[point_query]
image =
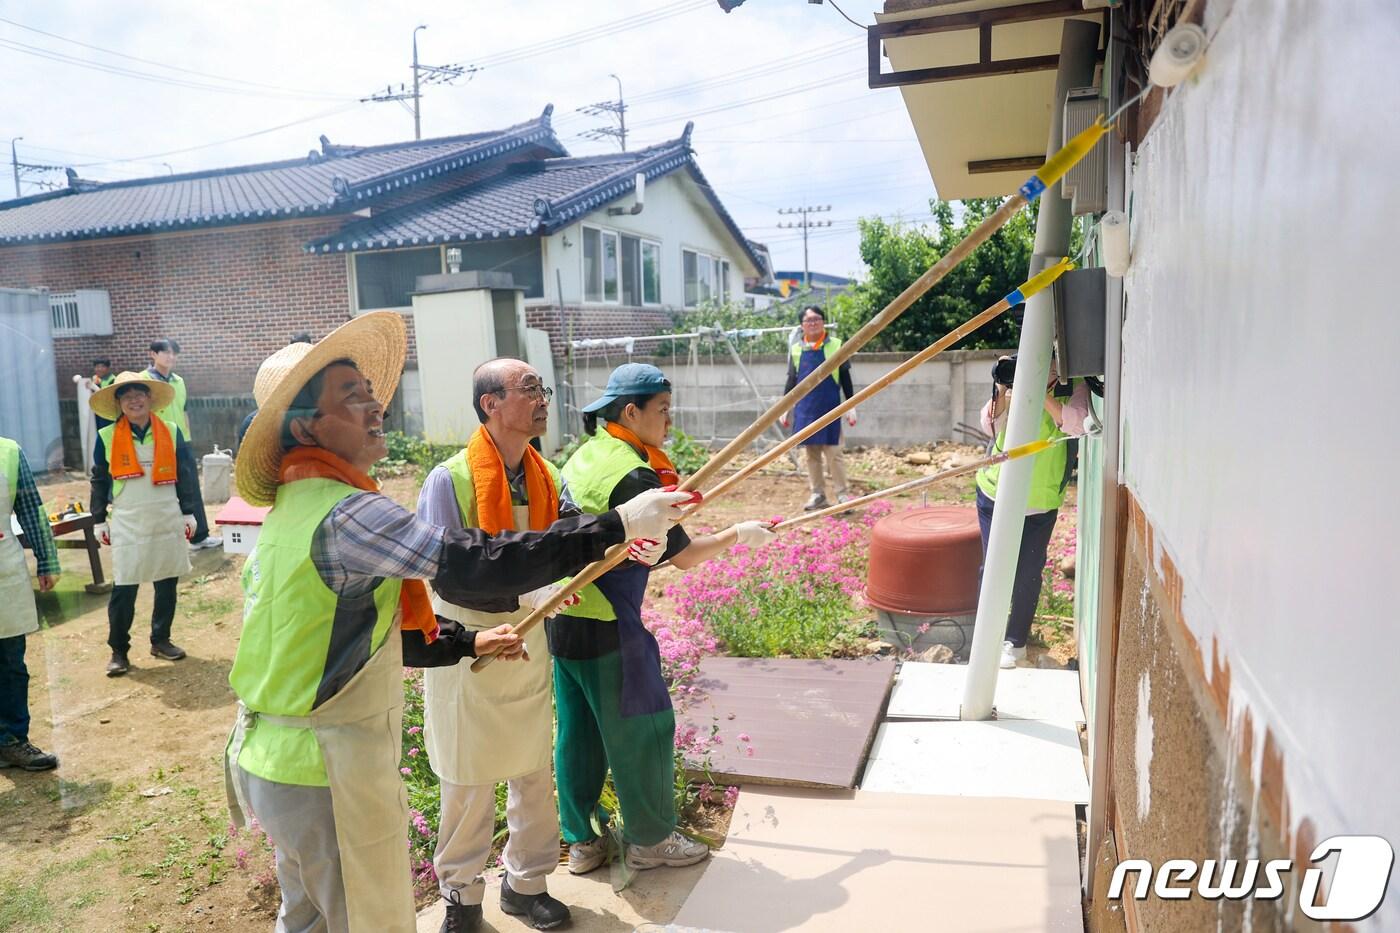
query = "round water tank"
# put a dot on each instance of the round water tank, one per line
(924, 561)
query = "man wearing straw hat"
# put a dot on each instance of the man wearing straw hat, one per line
(142, 473)
(334, 594)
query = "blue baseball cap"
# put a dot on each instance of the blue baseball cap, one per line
(631, 379)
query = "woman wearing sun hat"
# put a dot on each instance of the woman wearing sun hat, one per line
(335, 605)
(140, 474)
(613, 706)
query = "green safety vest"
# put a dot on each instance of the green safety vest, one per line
(830, 346)
(9, 466)
(465, 489)
(175, 411)
(288, 614)
(106, 434)
(104, 383)
(592, 473)
(1047, 474)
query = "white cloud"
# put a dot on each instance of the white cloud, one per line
(841, 143)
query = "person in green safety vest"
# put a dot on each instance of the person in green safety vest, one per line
(1050, 472)
(335, 605)
(163, 356)
(19, 497)
(101, 378)
(613, 707)
(812, 348)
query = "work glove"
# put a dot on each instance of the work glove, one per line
(755, 534)
(103, 533)
(541, 597)
(651, 514)
(851, 417)
(190, 525)
(646, 551)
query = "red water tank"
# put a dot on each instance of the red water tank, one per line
(924, 561)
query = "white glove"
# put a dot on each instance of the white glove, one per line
(190, 525)
(646, 551)
(755, 534)
(651, 514)
(851, 417)
(103, 533)
(542, 597)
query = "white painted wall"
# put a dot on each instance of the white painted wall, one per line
(676, 214)
(1261, 383)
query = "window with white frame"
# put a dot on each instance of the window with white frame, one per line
(387, 279)
(706, 278)
(620, 269)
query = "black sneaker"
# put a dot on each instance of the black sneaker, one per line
(540, 910)
(119, 665)
(26, 757)
(167, 651)
(461, 918)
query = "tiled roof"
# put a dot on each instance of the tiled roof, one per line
(336, 179)
(527, 199)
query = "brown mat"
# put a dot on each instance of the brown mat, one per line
(809, 860)
(809, 723)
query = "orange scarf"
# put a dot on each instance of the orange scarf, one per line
(416, 609)
(656, 457)
(122, 457)
(815, 346)
(493, 509)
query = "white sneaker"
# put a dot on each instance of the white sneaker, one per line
(586, 856)
(673, 852)
(1010, 654)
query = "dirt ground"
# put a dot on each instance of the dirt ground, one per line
(131, 832)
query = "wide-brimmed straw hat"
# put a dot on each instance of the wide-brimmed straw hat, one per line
(104, 401)
(376, 342)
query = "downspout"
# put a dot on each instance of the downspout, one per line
(1106, 632)
(1079, 42)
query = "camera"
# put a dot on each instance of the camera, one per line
(1005, 371)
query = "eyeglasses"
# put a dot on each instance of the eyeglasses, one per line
(535, 393)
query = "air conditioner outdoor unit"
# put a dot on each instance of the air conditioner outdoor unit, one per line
(1086, 185)
(81, 313)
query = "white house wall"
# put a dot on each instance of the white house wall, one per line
(676, 214)
(1261, 383)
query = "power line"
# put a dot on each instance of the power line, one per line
(543, 47)
(757, 99)
(148, 61)
(859, 26)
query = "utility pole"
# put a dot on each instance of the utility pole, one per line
(422, 75)
(14, 162)
(804, 225)
(618, 109)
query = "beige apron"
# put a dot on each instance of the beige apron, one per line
(17, 613)
(497, 724)
(359, 731)
(148, 531)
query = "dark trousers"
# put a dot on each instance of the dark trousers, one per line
(1030, 566)
(201, 523)
(121, 608)
(14, 692)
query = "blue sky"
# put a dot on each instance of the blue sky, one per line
(776, 89)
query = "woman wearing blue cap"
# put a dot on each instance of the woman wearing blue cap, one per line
(612, 703)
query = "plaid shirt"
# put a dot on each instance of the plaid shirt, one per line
(29, 509)
(368, 538)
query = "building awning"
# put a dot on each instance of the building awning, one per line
(984, 79)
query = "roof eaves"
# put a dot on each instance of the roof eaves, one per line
(713, 197)
(551, 215)
(222, 218)
(537, 131)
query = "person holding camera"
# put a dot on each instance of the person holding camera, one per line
(1064, 411)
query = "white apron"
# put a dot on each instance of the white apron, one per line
(359, 731)
(495, 725)
(148, 531)
(17, 613)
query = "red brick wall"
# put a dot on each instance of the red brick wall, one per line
(230, 296)
(593, 322)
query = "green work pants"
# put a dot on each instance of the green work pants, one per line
(593, 736)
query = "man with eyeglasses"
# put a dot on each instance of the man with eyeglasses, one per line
(496, 725)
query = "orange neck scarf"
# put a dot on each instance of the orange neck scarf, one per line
(815, 346)
(493, 509)
(656, 457)
(122, 457)
(416, 609)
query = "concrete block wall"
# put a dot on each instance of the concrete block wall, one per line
(712, 399)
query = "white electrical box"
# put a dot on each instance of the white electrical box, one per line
(1086, 185)
(81, 313)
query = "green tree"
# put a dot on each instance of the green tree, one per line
(897, 254)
